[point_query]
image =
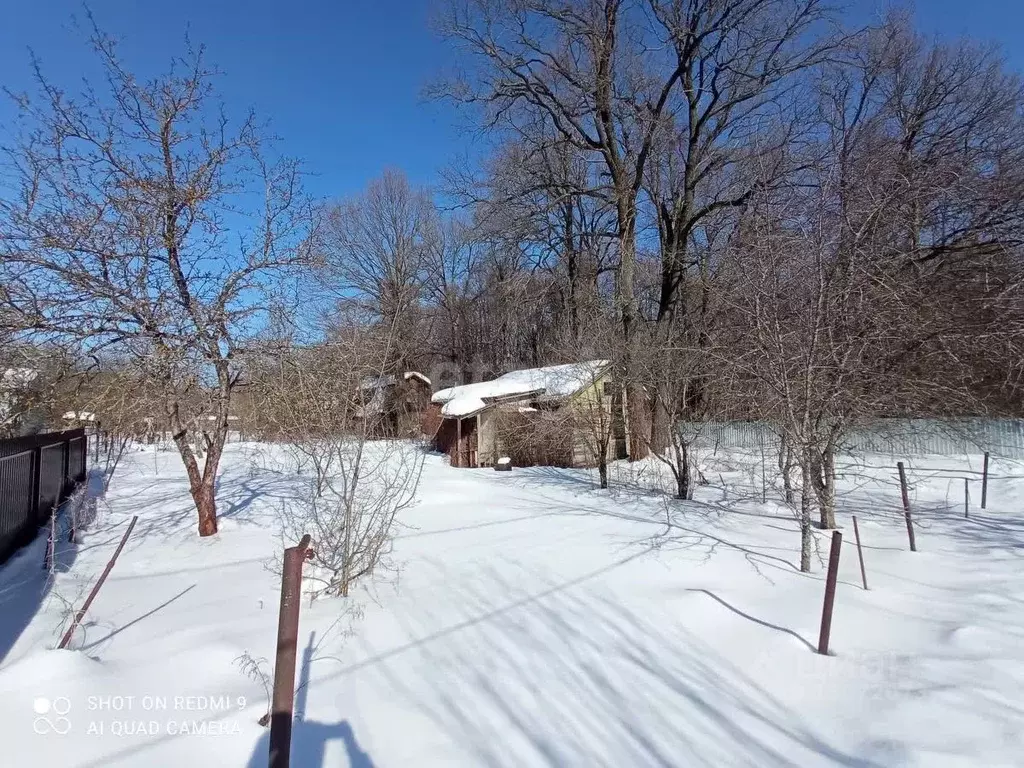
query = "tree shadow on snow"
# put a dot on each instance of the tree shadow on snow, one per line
(573, 677)
(310, 738)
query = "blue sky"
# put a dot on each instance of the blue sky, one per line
(341, 80)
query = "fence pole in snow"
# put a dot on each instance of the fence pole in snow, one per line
(860, 553)
(96, 588)
(967, 496)
(51, 543)
(830, 592)
(287, 643)
(984, 482)
(906, 505)
(764, 479)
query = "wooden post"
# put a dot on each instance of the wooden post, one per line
(287, 643)
(96, 588)
(860, 553)
(984, 482)
(830, 592)
(967, 496)
(906, 505)
(458, 442)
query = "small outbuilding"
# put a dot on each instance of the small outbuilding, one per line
(560, 415)
(394, 406)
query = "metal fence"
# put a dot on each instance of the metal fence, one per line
(898, 437)
(37, 473)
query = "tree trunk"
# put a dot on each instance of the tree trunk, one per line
(828, 465)
(660, 422)
(684, 488)
(602, 467)
(786, 467)
(805, 515)
(346, 568)
(206, 505)
(823, 482)
(200, 484)
(636, 399)
(572, 267)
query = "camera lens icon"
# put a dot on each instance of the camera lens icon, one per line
(51, 715)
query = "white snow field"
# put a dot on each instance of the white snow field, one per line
(531, 619)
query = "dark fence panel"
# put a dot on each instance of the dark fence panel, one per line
(37, 473)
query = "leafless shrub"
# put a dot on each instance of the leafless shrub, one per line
(315, 402)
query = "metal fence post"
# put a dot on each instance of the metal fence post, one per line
(906, 505)
(830, 592)
(860, 553)
(96, 588)
(287, 643)
(984, 482)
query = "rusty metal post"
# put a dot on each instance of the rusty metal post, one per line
(287, 643)
(96, 588)
(906, 505)
(830, 592)
(967, 496)
(984, 482)
(860, 553)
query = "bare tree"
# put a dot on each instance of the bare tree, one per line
(315, 402)
(372, 245)
(579, 67)
(744, 69)
(840, 321)
(144, 220)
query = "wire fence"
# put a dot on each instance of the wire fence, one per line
(898, 437)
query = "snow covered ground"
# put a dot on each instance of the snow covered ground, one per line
(534, 620)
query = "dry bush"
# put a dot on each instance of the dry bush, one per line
(536, 438)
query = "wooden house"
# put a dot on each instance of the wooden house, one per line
(562, 415)
(394, 405)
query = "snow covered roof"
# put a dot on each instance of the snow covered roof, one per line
(416, 375)
(377, 382)
(550, 383)
(79, 416)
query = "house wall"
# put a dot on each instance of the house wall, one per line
(487, 438)
(447, 439)
(589, 413)
(595, 414)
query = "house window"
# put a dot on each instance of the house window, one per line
(609, 388)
